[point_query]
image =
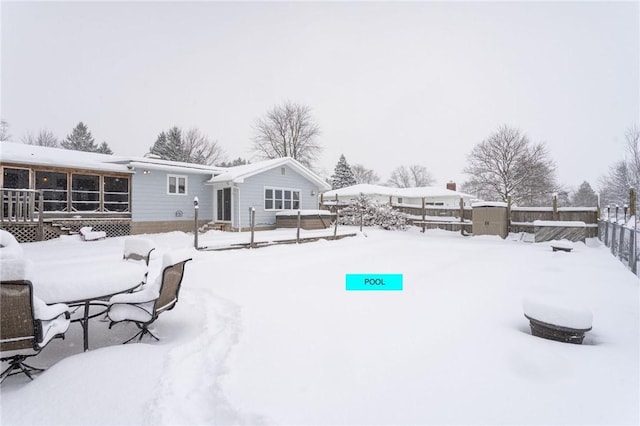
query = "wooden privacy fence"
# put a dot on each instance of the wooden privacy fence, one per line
(520, 219)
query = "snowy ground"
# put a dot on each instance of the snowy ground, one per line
(270, 336)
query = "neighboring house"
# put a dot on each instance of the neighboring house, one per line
(406, 197)
(134, 195)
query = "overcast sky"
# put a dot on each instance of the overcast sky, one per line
(389, 84)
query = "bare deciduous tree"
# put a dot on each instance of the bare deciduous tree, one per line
(411, 177)
(287, 130)
(508, 164)
(199, 149)
(43, 138)
(624, 174)
(364, 175)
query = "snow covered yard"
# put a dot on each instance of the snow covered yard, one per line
(270, 336)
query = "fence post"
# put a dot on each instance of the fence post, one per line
(461, 216)
(40, 233)
(335, 228)
(634, 235)
(613, 238)
(508, 213)
(298, 232)
(555, 206)
(621, 242)
(195, 224)
(253, 223)
(423, 215)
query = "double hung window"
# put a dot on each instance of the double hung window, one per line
(176, 185)
(281, 199)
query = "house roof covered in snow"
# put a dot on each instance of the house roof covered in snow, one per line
(58, 157)
(238, 174)
(419, 192)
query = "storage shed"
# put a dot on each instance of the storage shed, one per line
(490, 218)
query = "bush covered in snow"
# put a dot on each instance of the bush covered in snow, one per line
(373, 214)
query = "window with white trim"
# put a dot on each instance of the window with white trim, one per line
(281, 199)
(176, 185)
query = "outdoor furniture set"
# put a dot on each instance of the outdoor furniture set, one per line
(37, 306)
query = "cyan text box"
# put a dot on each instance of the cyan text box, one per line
(374, 282)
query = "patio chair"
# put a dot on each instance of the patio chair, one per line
(10, 248)
(88, 234)
(143, 306)
(27, 325)
(136, 248)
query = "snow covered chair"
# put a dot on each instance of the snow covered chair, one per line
(88, 234)
(27, 324)
(136, 248)
(143, 306)
(10, 248)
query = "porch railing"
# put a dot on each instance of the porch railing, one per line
(22, 206)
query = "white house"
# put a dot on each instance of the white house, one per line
(408, 197)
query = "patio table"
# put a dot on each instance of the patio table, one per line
(86, 285)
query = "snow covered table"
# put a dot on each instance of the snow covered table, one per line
(86, 285)
(556, 319)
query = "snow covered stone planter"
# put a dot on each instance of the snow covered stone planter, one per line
(558, 320)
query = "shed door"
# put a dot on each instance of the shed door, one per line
(224, 204)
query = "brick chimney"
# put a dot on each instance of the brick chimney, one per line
(451, 186)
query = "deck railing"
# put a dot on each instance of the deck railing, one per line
(22, 206)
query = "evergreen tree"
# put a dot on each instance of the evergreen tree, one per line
(80, 139)
(104, 149)
(585, 196)
(342, 175)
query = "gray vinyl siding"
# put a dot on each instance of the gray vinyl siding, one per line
(252, 194)
(150, 201)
